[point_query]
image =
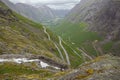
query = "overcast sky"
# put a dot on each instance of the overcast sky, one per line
(56, 4)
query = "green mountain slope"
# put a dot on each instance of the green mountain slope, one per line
(19, 35)
(29, 51)
(100, 19)
(24, 39)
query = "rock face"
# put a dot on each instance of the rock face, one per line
(60, 13)
(102, 68)
(52, 62)
(103, 16)
(99, 16)
(38, 14)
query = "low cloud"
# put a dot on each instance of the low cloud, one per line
(56, 4)
(45, 1)
(62, 6)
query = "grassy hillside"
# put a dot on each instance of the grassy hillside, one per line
(23, 38)
(93, 24)
(77, 35)
(19, 35)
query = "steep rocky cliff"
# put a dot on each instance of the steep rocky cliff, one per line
(38, 14)
(99, 16)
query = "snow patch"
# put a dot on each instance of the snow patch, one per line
(25, 60)
(19, 60)
(44, 65)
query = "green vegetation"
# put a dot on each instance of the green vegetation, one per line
(77, 36)
(107, 47)
(28, 21)
(17, 71)
(74, 58)
(19, 35)
(12, 71)
(27, 37)
(3, 5)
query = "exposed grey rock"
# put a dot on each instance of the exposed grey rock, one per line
(40, 14)
(62, 66)
(101, 15)
(103, 68)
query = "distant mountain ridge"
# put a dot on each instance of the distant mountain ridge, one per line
(40, 14)
(60, 13)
